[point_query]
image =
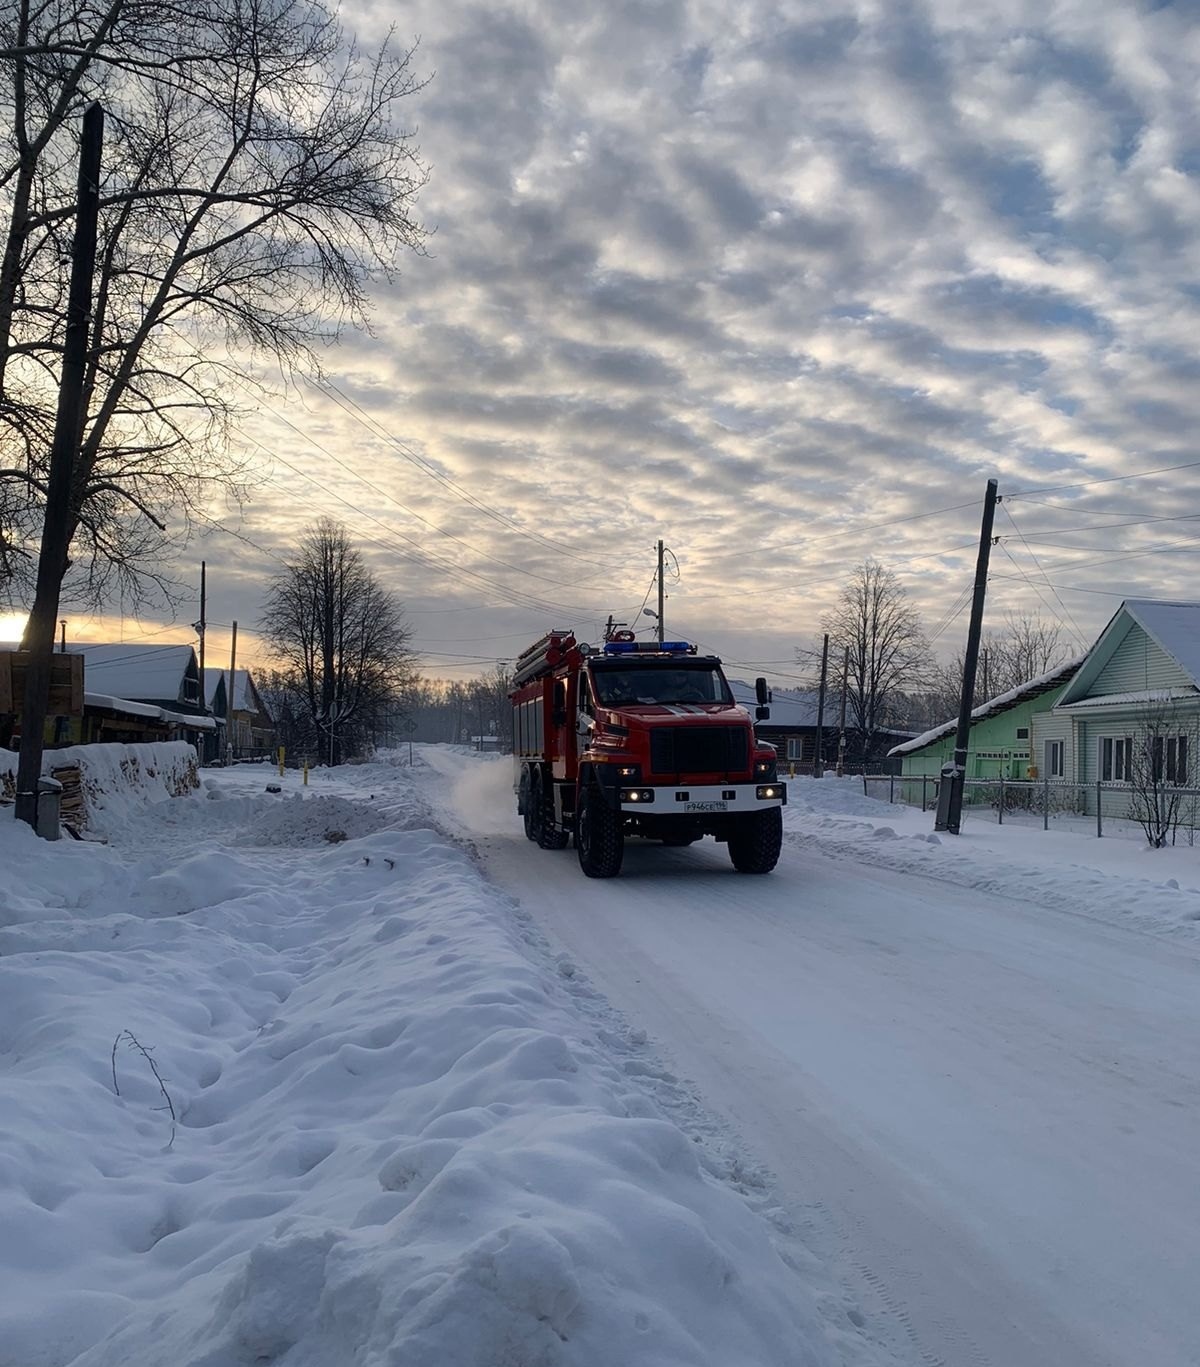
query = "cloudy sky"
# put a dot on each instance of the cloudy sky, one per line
(783, 284)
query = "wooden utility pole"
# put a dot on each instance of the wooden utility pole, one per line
(950, 792)
(200, 627)
(819, 757)
(661, 595)
(68, 428)
(229, 693)
(841, 759)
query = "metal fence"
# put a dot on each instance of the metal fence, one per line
(1100, 809)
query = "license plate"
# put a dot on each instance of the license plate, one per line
(706, 806)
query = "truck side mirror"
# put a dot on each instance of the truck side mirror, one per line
(760, 692)
(762, 713)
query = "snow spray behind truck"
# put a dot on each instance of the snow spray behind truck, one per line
(644, 739)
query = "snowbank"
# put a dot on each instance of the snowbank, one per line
(114, 776)
(1115, 880)
(383, 1133)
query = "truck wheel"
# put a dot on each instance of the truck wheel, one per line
(599, 837)
(756, 840)
(535, 808)
(526, 807)
(550, 836)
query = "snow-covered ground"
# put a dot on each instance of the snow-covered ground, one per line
(391, 1128)
(438, 1099)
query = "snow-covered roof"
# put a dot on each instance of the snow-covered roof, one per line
(1175, 626)
(789, 707)
(126, 707)
(1000, 703)
(135, 671)
(1163, 695)
(245, 696)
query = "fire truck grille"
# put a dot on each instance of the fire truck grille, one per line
(703, 750)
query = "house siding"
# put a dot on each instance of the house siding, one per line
(1052, 725)
(1137, 664)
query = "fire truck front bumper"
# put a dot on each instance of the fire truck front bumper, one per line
(701, 800)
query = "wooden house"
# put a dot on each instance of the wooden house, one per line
(250, 728)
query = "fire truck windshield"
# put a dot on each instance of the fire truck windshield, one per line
(650, 685)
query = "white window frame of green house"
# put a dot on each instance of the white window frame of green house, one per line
(1055, 753)
(1115, 759)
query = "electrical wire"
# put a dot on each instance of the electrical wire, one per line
(1109, 479)
(337, 460)
(355, 411)
(848, 531)
(1074, 626)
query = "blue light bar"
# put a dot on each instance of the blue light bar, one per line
(647, 648)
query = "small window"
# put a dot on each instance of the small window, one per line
(1054, 759)
(1022, 732)
(795, 747)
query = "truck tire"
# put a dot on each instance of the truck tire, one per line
(599, 837)
(550, 836)
(526, 806)
(756, 840)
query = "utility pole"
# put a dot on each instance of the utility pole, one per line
(229, 694)
(661, 594)
(819, 757)
(841, 760)
(68, 427)
(950, 793)
(63, 626)
(200, 627)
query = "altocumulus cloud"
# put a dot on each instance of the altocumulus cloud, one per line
(753, 276)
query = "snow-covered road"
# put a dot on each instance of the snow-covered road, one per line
(983, 1111)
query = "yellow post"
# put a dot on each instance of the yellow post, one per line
(281, 751)
(306, 771)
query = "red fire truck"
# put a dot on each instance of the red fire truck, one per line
(642, 739)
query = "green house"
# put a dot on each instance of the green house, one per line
(1002, 730)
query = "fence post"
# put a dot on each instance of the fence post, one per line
(924, 780)
(864, 778)
(1099, 813)
(1000, 820)
(891, 787)
(1046, 804)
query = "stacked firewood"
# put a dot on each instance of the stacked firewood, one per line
(72, 807)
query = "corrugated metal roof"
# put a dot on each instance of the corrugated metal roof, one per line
(1175, 626)
(1031, 689)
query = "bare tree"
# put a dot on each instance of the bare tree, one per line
(1158, 761)
(882, 632)
(339, 637)
(255, 181)
(1025, 648)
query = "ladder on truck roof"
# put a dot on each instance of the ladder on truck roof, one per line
(543, 656)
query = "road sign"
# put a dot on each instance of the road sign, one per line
(410, 726)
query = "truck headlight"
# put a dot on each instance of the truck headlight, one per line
(765, 791)
(637, 794)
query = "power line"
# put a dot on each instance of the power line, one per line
(848, 531)
(404, 507)
(355, 411)
(1074, 627)
(1109, 479)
